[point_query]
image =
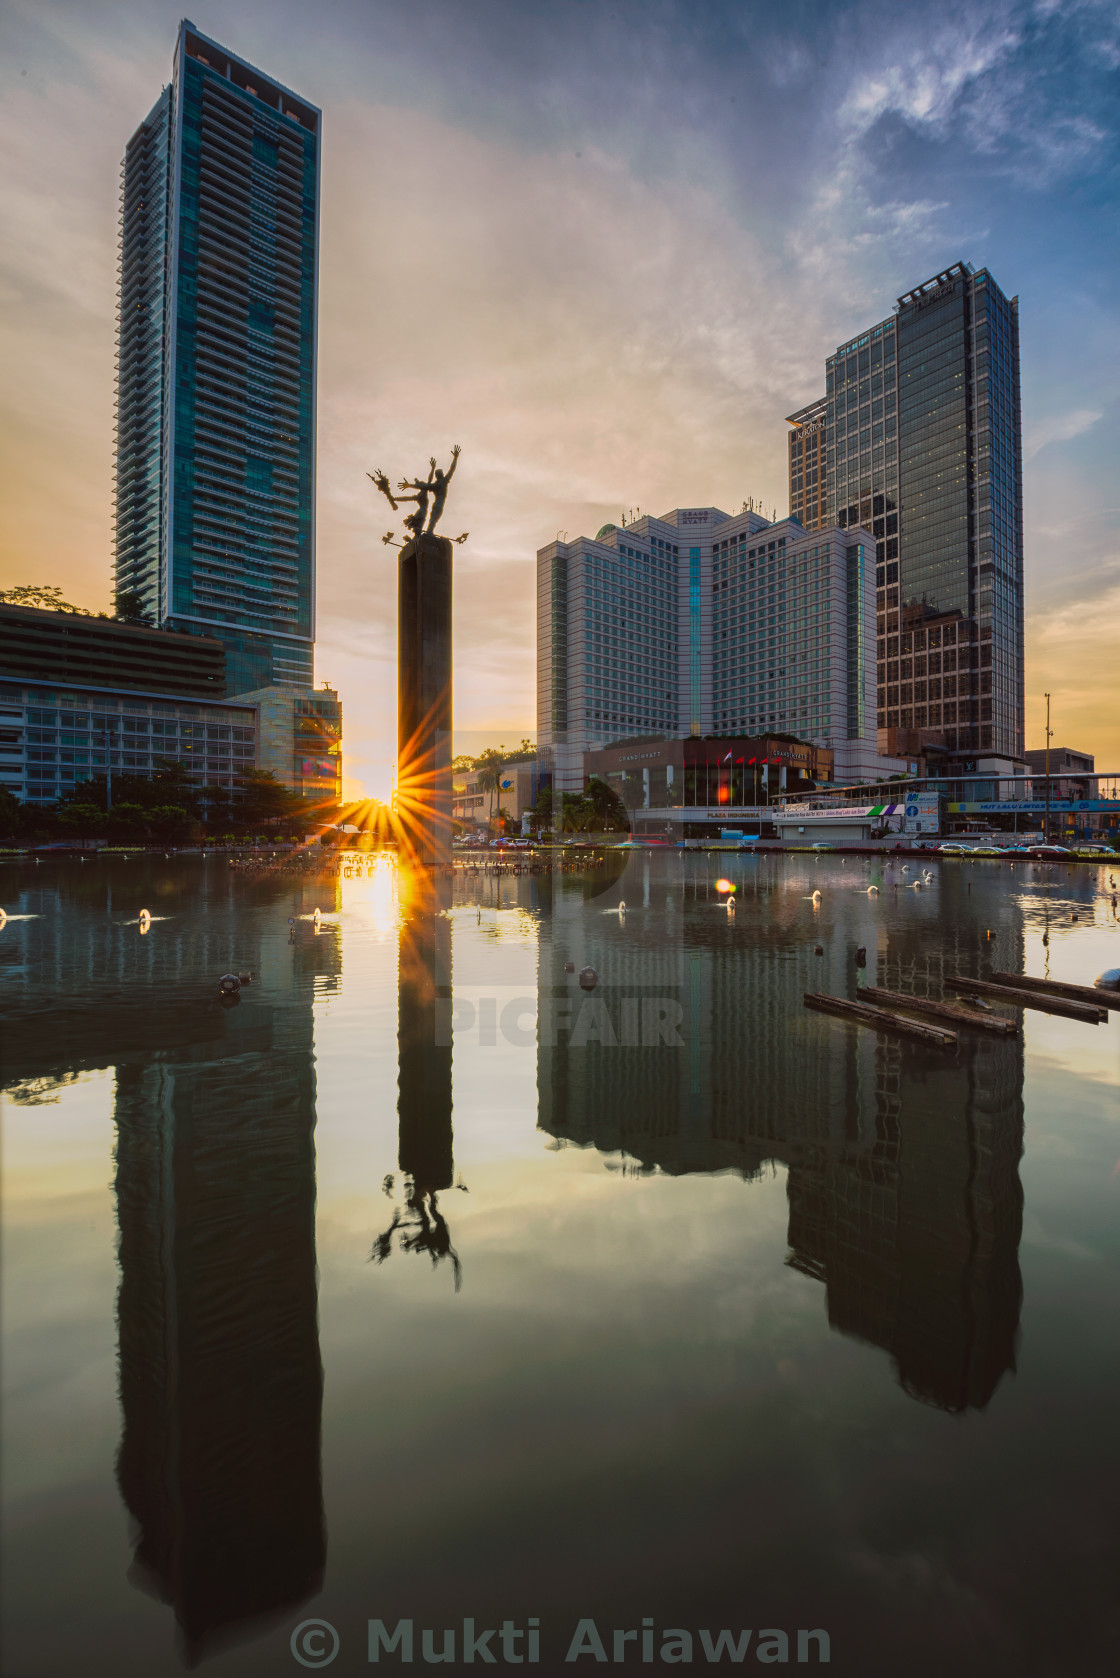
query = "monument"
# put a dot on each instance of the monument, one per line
(423, 666)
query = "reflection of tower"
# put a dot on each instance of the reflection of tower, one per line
(904, 1193)
(220, 1378)
(425, 1152)
(424, 698)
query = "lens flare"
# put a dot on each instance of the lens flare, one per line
(724, 885)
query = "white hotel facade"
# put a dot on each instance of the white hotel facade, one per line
(704, 622)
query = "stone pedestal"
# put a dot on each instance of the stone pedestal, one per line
(424, 700)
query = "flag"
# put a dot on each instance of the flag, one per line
(754, 760)
(727, 759)
(738, 760)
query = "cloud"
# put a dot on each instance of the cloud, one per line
(1059, 428)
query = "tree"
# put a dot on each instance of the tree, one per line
(46, 596)
(170, 823)
(262, 798)
(127, 823)
(130, 607)
(84, 820)
(11, 814)
(490, 764)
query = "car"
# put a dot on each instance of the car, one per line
(953, 849)
(1093, 850)
(1053, 853)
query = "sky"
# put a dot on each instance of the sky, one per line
(605, 246)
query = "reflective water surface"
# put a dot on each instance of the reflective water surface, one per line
(423, 1283)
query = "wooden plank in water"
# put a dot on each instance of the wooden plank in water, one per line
(1029, 999)
(995, 1023)
(1056, 987)
(879, 1019)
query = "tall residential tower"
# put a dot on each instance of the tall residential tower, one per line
(923, 444)
(215, 482)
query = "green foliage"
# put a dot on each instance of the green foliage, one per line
(46, 596)
(130, 607)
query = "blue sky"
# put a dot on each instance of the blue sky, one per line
(606, 247)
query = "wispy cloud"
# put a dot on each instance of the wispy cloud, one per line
(1058, 428)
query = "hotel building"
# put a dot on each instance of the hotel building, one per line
(215, 472)
(702, 623)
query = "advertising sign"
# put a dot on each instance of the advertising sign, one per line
(923, 813)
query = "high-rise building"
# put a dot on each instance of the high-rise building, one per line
(808, 494)
(924, 445)
(703, 622)
(215, 477)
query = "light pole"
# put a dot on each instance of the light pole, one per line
(106, 735)
(1046, 823)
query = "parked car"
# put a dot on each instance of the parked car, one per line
(1052, 852)
(1093, 850)
(951, 848)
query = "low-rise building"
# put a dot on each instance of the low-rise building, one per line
(71, 648)
(53, 737)
(693, 788)
(300, 738)
(472, 805)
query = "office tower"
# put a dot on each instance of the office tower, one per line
(702, 622)
(215, 477)
(924, 444)
(808, 494)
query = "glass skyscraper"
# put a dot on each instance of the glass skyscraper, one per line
(924, 446)
(215, 478)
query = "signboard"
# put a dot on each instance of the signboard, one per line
(923, 813)
(1035, 806)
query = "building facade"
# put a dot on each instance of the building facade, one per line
(215, 474)
(808, 464)
(299, 738)
(924, 445)
(52, 737)
(517, 793)
(703, 622)
(48, 646)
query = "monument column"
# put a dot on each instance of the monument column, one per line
(424, 698)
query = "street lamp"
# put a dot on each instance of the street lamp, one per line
(1046, 822)
(107, 735)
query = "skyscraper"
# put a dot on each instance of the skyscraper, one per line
(702, 622)
(808, 465)
(215, 481)
(924, 444)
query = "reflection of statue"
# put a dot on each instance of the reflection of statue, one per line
(434, 486)
(424, 1088)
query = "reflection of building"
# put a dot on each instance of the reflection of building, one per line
(698, 623)
(904, 1194)
(220, 1377)
(215, 493)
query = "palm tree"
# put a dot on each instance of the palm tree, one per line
(490, 765)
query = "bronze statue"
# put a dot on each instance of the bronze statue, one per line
(434, 487)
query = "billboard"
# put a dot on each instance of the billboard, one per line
(923, 813)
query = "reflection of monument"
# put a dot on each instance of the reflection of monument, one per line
(424, 667)
(220, 1378)
(903, 1185)
(424, 1049)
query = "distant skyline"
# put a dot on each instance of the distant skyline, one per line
(606, 248)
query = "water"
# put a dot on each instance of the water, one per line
(746, 1319)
